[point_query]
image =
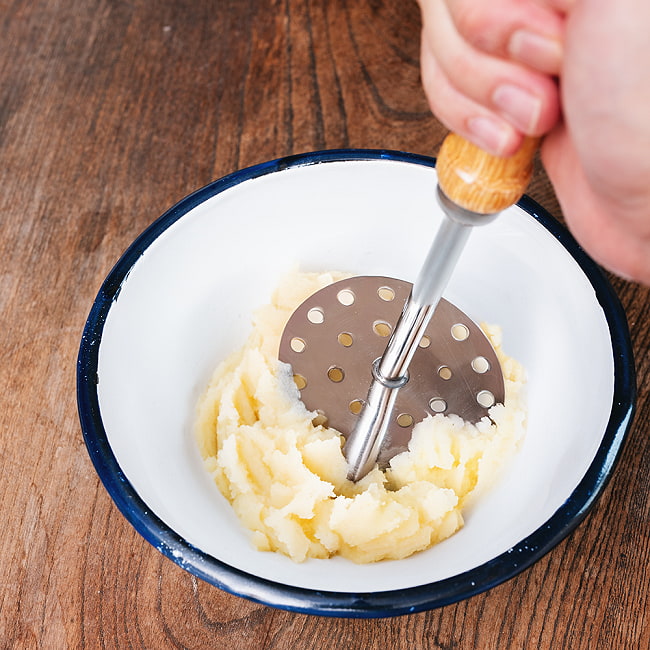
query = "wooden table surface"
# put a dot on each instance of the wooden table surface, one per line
(110, 112)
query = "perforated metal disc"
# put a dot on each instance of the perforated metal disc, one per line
(333, 338)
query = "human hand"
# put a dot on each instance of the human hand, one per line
(490, 71)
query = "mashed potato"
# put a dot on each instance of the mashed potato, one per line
(286, 477)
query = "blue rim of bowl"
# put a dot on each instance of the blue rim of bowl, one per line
(343, 604)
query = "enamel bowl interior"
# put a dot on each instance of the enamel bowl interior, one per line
(181, 299)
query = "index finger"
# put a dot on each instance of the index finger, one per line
(528, 32)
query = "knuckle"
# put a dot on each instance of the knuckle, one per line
(475, 26)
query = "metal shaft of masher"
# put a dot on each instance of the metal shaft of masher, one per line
(390, 372)
(473, 187)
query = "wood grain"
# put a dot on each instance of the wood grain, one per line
(110, 112)
(481, 182)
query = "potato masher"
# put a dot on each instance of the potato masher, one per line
(436, 360)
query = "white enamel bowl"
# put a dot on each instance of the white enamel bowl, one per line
(181, 298)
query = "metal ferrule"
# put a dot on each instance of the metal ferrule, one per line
(461, 215)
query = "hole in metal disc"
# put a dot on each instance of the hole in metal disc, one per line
(485, 398)
(300, 381)
(345, 339)
(438, 405)
(355, 406)
(315, 315)
(345, 297)
(386, 294)
(298, 344)
(444, 372)
(425, 342)
(480, 365)
(381, 328)
(320, 420)
(459, 332)
(405, 420)
(336, 374)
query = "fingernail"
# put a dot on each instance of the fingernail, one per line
(519, 106)
(536, 50)
(489, 134)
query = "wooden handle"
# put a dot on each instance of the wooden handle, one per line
(480, 182)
